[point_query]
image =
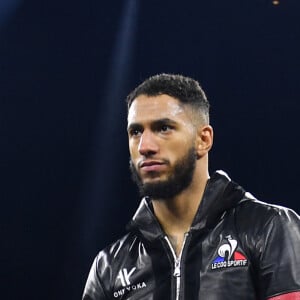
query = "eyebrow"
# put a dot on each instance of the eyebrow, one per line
(153, 123)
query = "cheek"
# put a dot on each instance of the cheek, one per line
(180, 150)
(133, 148)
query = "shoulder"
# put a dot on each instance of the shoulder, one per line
(106, 266)
(263, 227)
(116, 252)
(251, 211)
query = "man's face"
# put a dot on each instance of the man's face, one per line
(162, 145)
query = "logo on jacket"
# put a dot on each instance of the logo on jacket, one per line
(124, 276)
(127, 286)
(228, 257)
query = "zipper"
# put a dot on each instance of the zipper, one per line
(177, 263)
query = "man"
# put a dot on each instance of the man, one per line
(193, 236)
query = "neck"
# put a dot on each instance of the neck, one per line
(177, 214)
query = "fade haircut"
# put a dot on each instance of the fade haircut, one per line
(182, 88)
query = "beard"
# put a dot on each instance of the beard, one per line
(178, 181)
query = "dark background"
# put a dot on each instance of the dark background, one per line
(65, 70)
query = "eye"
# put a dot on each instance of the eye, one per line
(165, 128)
(135, 132)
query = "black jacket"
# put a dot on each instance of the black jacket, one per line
(237, 248)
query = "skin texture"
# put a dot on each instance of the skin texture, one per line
(161, 131)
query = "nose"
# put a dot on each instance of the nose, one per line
(147, 144)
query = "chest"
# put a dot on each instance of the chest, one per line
(213, 266)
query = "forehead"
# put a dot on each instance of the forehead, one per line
(146, 108)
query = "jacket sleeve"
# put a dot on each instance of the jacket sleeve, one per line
(287, 296)
(93, 289)
(279, 257)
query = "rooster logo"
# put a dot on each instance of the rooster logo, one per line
(228, 256)
(226, 251)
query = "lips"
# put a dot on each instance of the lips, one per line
(151, 165)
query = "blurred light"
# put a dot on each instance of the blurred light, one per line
(275, 2)
(104, 156)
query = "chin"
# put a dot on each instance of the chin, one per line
(155, 179)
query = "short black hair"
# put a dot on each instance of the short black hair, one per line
(185, 89)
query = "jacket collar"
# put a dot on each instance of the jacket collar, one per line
(220, 194)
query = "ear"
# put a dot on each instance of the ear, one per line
(204, 140)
